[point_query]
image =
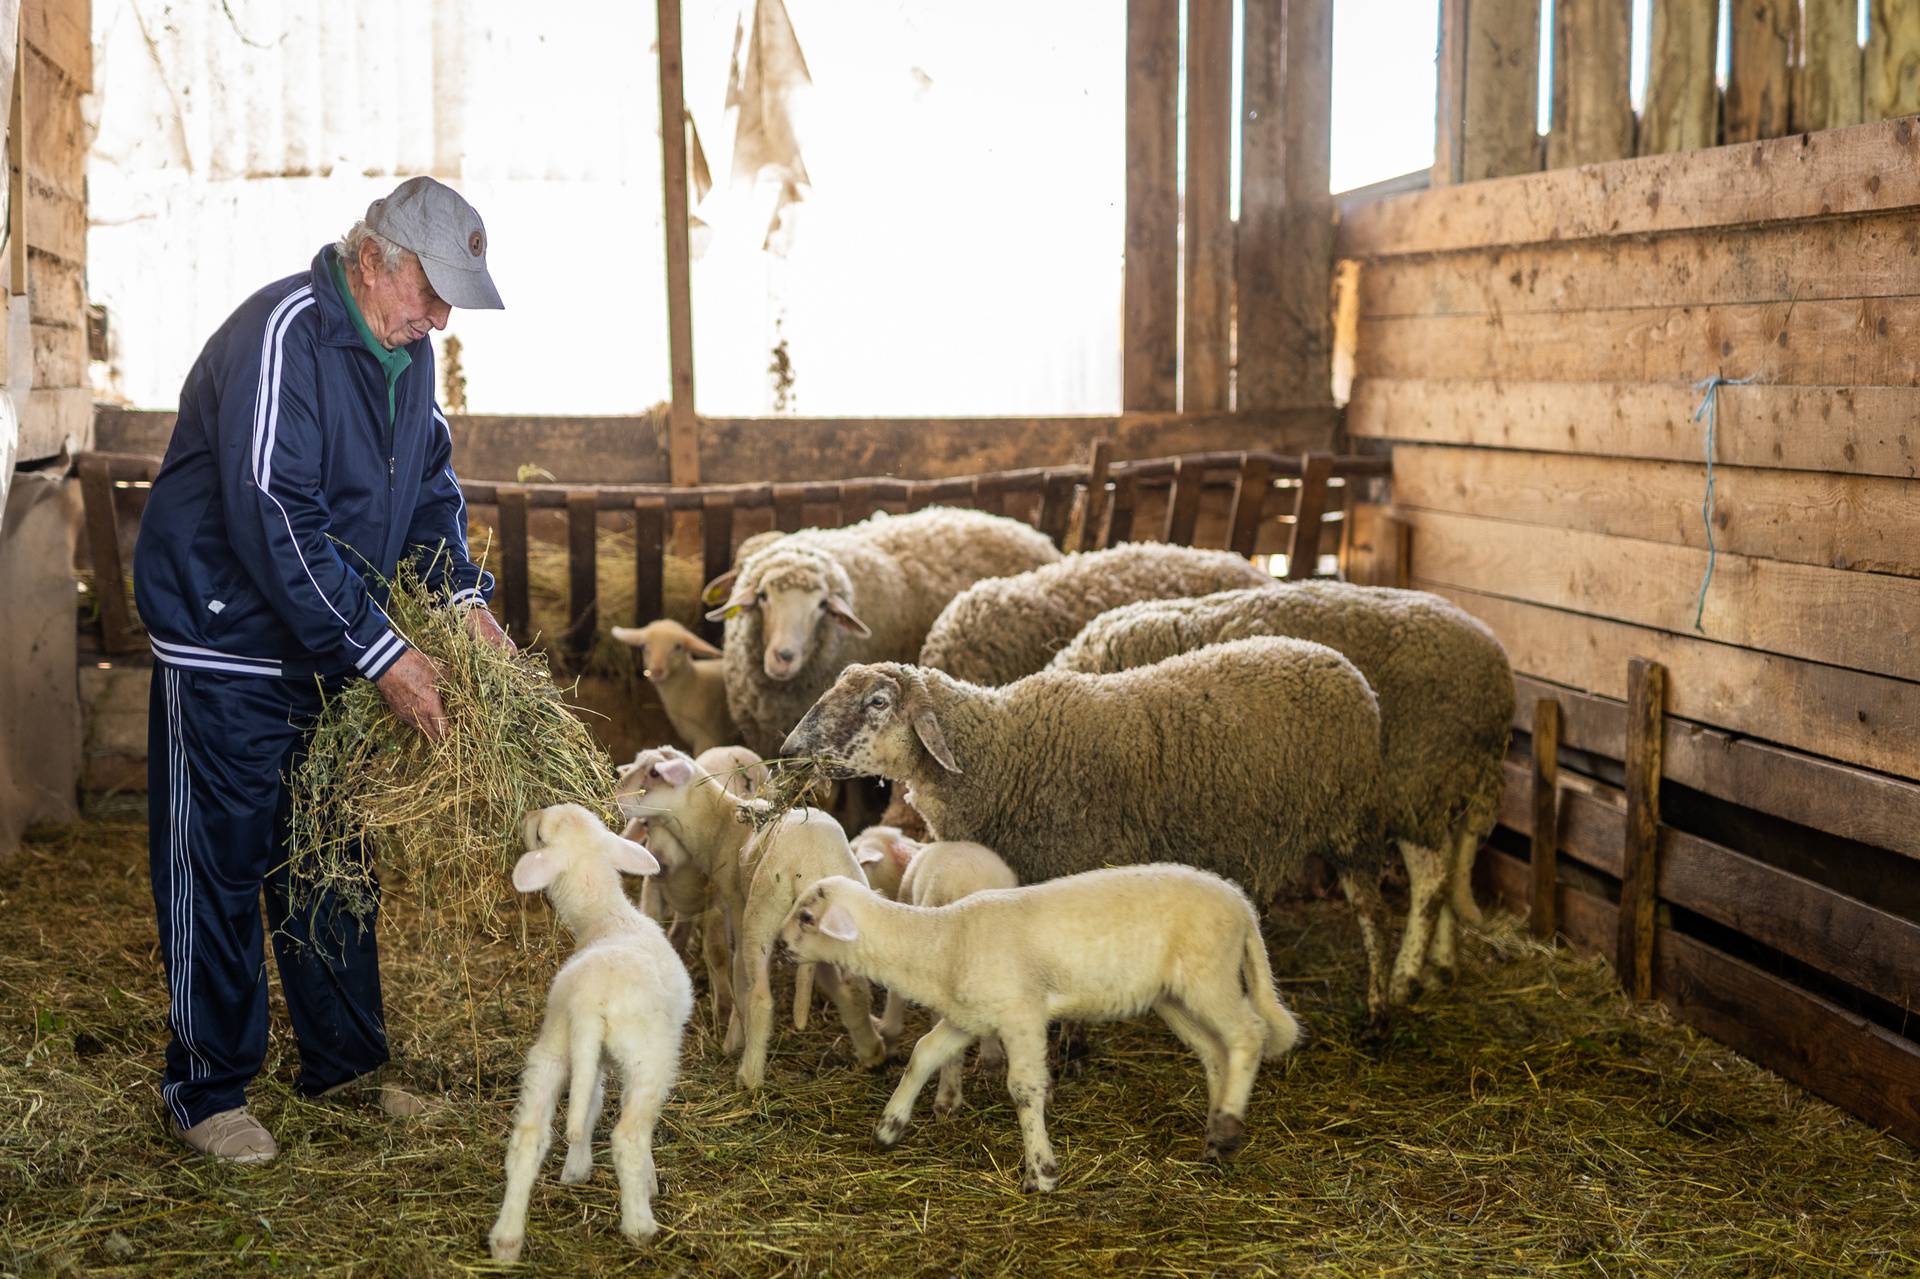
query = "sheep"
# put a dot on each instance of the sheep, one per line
(685, 672)
(803, 607)
(623, 998)
(1097, 946)
(1446, 699)
(997, 631)
(747, 873)
(683, 886)
(1244, 758)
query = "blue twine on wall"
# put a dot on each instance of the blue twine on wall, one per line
(1710, 406)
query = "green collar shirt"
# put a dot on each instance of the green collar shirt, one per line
(392, 362)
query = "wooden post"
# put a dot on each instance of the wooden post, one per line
(789, 507)
(1683, 97)
(1183, 502)
(1893, 59)
(1759, 40)
(1119, 523)
(1284, 253)
(1633, 945)
(683, 440)
(1249, 504)
(1828, 94)
(103, 546)
(1489, 99)
(1205, 355)
(1546, 816)
(649, 559)
(1592, 113)
(987, 494)
(716, 554)
(583, 571)
(1056, 506)
(856, 501)
(1303, 551)
(1149, 353)
(17, 180)
(512, 503)
(1093, 514)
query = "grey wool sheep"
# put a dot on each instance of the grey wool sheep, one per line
(804, 607)
(1446, 700)
(995, 632)
(1244, 759)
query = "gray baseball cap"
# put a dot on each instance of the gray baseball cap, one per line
(446, 233)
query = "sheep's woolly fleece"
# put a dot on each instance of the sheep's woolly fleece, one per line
(897, 573)
(1443, 680)
(1244, 758)
(996, 632)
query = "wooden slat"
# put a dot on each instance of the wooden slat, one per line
(1857, 522)
(1183, 506)
(583, 568)
(1375, 547)
(1893, 59)
(1056, 507)
(59, 32)
(683, 430)
(1592, 114)
(1851, 430)
(514, 577)
(649, 559)
(1845, 715)
(789, 508)
(1150, 342)
(1118, 526)
(21, 228)
(856, 501)
(1760, 37)
(1780, 180)
(1093, 516)
(1489, 89)
(1303, 551)
(1250, 489)
(716, 544)
(987, 493)
(1796, 610)
(57, 138)
(1545, 852)
(117, 632)
(1853, 803)
(1828, 92)
(1683, 99)
(1828, 342)
(1586, 922)
(919, 495)
(1207, 231)
(1633, 951)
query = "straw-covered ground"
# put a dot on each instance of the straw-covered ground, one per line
(1524, 1123)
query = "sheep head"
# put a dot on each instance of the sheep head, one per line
(666, 647)
(876, 721)
(883, 853)
(655, 782)
(798, 592)
(822, 923)
(566, 839)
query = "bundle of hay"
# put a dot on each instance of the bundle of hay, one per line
(443, 817)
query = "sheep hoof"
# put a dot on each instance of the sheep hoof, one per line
(1225, 1135)
(641, 1231)
(943, 1105)
(887, 1135)
(506, 1248)
(1041, 1178)
(576, 1170)
(750, 1079)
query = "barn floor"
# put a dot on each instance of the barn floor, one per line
(1526, 1122)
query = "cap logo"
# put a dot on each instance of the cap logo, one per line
(475, 243)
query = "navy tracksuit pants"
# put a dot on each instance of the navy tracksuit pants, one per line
(219, 749)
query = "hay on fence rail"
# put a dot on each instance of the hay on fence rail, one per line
(441, 816)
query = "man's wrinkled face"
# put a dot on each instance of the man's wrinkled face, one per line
(399, 305)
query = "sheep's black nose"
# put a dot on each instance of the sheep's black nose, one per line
(784, 654)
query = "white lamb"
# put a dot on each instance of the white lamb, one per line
(1097, 946)
(623, 998)
(686, 674)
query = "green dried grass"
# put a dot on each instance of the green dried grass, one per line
(1526, 1122)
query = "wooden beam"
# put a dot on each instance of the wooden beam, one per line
(1828, 94)
(1303, 552)
(19, 231)
(1545, 855)
(1183, 504)
(716, 554)
(1893, 59)
(649, 559)
(1779, 180)
(1758, 72)
(1250, 490)
(1683, 96)
(1118, 526)
(1633, 952)
(1206, 354)
(1150, 334)
(117, 631)
(583, 572)
(1489, 90)
(1056, 507)
(1592, 114)
(511, 502)
(1093, 515)
(1450, 94)
(682, 429)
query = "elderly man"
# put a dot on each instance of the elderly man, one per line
(308, 461)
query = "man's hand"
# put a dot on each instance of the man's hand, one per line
(481, 624)
(411, 689)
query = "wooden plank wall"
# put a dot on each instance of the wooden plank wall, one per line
(1534, 347)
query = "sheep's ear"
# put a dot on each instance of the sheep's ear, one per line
(716, 590)
(534, 871)
(838, 924)
(699, 647)
(739, 601)
(867, 854)
(842, 613)
(927, 728)
(674, 770)
(632, 636)
(630, 858)
(621, 770)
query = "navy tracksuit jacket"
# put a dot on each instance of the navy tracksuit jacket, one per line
(286, 499)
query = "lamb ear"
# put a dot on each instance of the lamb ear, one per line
(534, 872)
(630, 636)
(675, 771)
(838, 924)
(716, 590)
(699, 647)
(842, 613)
(867, 854)
(927, 728)
(630, 858)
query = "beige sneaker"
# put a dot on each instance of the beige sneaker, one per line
(392, 1100)
(233, 1135)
